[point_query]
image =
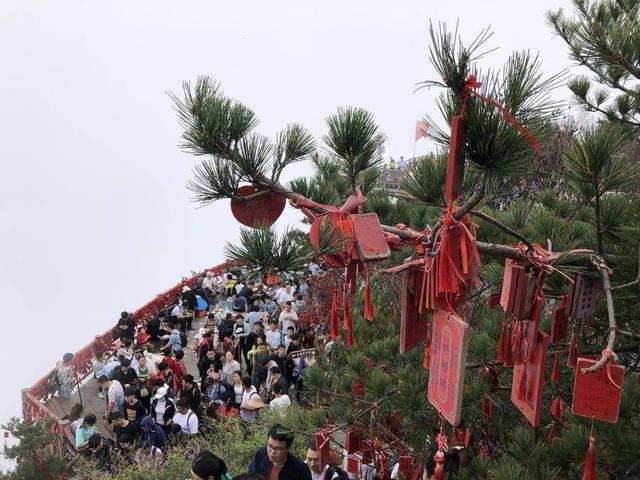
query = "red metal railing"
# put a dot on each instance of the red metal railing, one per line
(34, 398)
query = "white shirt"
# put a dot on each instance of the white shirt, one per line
(177, 310)
(207, 283)
(274, 338)
(281, 404)
(288, 319)
(313, 268)
(248, 415)
(282, 296)
(239, 286)
(187, 421)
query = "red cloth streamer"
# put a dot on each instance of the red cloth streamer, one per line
(369, 312)
(557, 408)
(574, 350)
(473, 83)
(590, 471)
(556, 367)
(552, 433)
(459, 256)
(438, 474)
(333, 320)
(487, 408)
(502, 342)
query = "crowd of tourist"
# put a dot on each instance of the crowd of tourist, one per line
(250, 354)
(244, 363)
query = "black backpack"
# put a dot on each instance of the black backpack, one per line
(183, 340)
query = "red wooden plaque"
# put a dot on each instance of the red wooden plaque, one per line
(261, 211)
(528, 381)
(598, 393)
(455, 168)
(525, 294)
(448, 358)
(413, 324)
(559, 325)
(509, 284)
(353, 465)
(370, 240)
(583, 297)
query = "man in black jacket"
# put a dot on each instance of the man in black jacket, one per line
(275, 460)
(126, 375)
(190, 392)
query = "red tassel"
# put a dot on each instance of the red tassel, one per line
(438, 474)
(574, 350)
(501, 342)
(426, 360)
(333, 320)
(348, 321)
(369, 312)
(556, 367)
(590, 467)
(557, 408)
(517, 342)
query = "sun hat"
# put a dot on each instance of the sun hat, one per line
(162, 392)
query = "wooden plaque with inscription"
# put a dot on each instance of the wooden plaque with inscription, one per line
(448, 358)
(528, 381)
(598, 393)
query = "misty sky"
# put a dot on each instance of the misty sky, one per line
(94, 215)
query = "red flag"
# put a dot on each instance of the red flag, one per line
(422, 127)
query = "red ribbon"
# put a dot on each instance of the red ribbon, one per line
(469, 89)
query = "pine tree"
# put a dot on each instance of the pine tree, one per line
(594, 207)
(33, 452)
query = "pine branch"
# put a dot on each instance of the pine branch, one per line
(508, 230)
(608, 354)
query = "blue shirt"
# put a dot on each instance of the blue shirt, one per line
(270, 307)
(252, 318)
(239, 304)
(110, 368)
(175, 341)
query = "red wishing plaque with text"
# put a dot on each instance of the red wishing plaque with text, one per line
(528, 381)
(598, 393)
(448, 358)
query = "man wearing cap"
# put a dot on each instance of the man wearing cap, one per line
(162, 408)
(275, 461)
(185, 418)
